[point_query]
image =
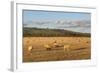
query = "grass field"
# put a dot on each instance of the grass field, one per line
(79, 48)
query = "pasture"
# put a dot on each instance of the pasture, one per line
(36, 49)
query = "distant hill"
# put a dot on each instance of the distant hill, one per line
(40, 32)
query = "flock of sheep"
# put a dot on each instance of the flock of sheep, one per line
(49, 47)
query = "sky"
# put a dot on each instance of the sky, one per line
(74, 21)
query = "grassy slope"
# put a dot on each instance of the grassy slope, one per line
(39, 32)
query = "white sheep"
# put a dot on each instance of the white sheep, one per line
(55, 44)
(66, 48)
(30, 48)
(48, 47)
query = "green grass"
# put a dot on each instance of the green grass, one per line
(39, 32)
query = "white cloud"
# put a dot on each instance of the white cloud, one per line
(78, 25)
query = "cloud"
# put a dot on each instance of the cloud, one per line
(79, 25)
(73, 23)
(60, 22)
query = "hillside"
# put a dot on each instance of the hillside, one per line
(39, 32)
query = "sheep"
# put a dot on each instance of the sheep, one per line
(48, 47)
(55, 44)
(66, 48)
(30, 48)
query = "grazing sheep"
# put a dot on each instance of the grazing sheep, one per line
(56, 44)
(30, 49)
(48, 47)
(66, 48)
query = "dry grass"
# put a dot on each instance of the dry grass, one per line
(80, 48)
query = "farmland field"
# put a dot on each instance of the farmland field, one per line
(79, 48)
(56, 35)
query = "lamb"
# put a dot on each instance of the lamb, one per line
(66, 48)
(48, 47)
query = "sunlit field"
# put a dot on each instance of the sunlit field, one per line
(56, 36)
(37, 49)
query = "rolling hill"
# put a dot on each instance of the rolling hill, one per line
(40, 32)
